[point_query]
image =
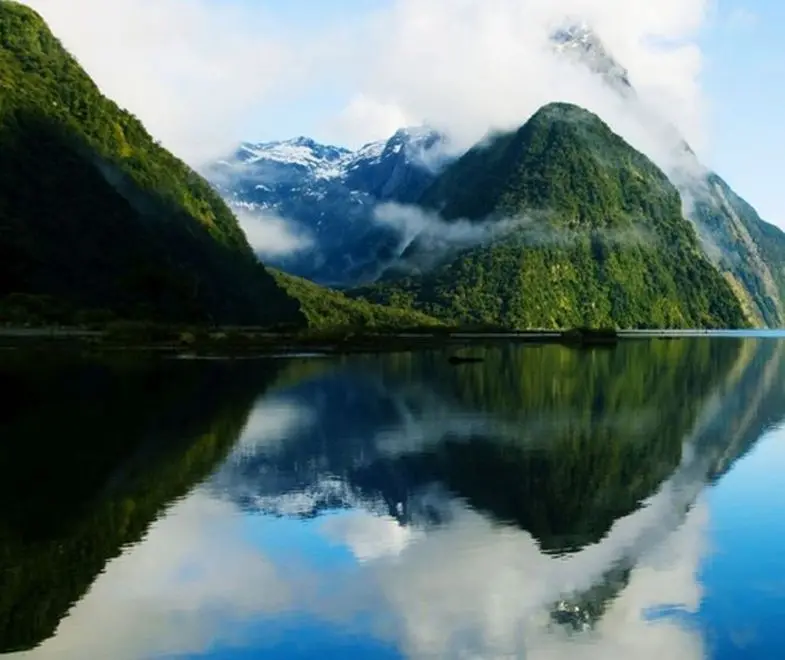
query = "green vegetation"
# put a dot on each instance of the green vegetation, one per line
(96, 214)
(598, 239)
(591, 337)
(98, 222)
(325, 308)
(591, 441)
(95, 450)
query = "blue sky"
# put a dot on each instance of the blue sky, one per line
(744, 79)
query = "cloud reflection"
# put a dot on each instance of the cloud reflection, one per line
(470, 589)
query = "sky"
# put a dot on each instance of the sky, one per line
(204, 75)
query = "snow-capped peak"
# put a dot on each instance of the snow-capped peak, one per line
(320, 161)
(579, 41)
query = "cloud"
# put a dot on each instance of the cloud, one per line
(378, 119)
(485, 64)
(177, 592)
(369, 536)
(270, 423)
(476, 590)
(205, 578)
(435, 236)
(192, 70)
(270, 235)
(196, 71)
(435, 239)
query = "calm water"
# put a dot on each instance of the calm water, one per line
(546, 503)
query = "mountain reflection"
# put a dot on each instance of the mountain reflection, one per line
(558, 443)
(92, 452)
(542, 503)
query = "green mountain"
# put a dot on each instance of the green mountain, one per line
(589, 232)
(96, 215)
(748, 251)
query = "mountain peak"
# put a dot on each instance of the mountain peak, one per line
(581, 43)
(574, 33)
(412, 133)
(302, 141)
(562, 110)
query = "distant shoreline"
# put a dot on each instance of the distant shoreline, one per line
(254, 342)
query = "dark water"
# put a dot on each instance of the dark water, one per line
(546, 503)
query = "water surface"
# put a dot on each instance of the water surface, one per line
(546, 503)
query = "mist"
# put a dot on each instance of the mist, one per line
(272, 236)
(436, 240)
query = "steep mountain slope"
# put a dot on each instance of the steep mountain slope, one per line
(95, 214)
(328, 195)
(748, 251)
(595, 236)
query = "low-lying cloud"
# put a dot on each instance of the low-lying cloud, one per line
(435, 235)
(437, 239)
(272, 236)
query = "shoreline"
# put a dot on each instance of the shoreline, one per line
(231, 343)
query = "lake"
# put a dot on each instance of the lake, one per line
(545, 503)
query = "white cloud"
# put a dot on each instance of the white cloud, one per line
(270, 235)
(375, 119)
(201, 578)
(271, 422)
(175, 593)
(191, 70)
(370, 536)
(195, 70)
(479, 64)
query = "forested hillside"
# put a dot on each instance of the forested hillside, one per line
(96, 214)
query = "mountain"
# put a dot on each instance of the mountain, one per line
(748, 251)
(590, 233)
(98, 220)
(328, 196)
(95, 214)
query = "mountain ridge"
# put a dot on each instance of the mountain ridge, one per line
(733, 234)
(329, 194)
